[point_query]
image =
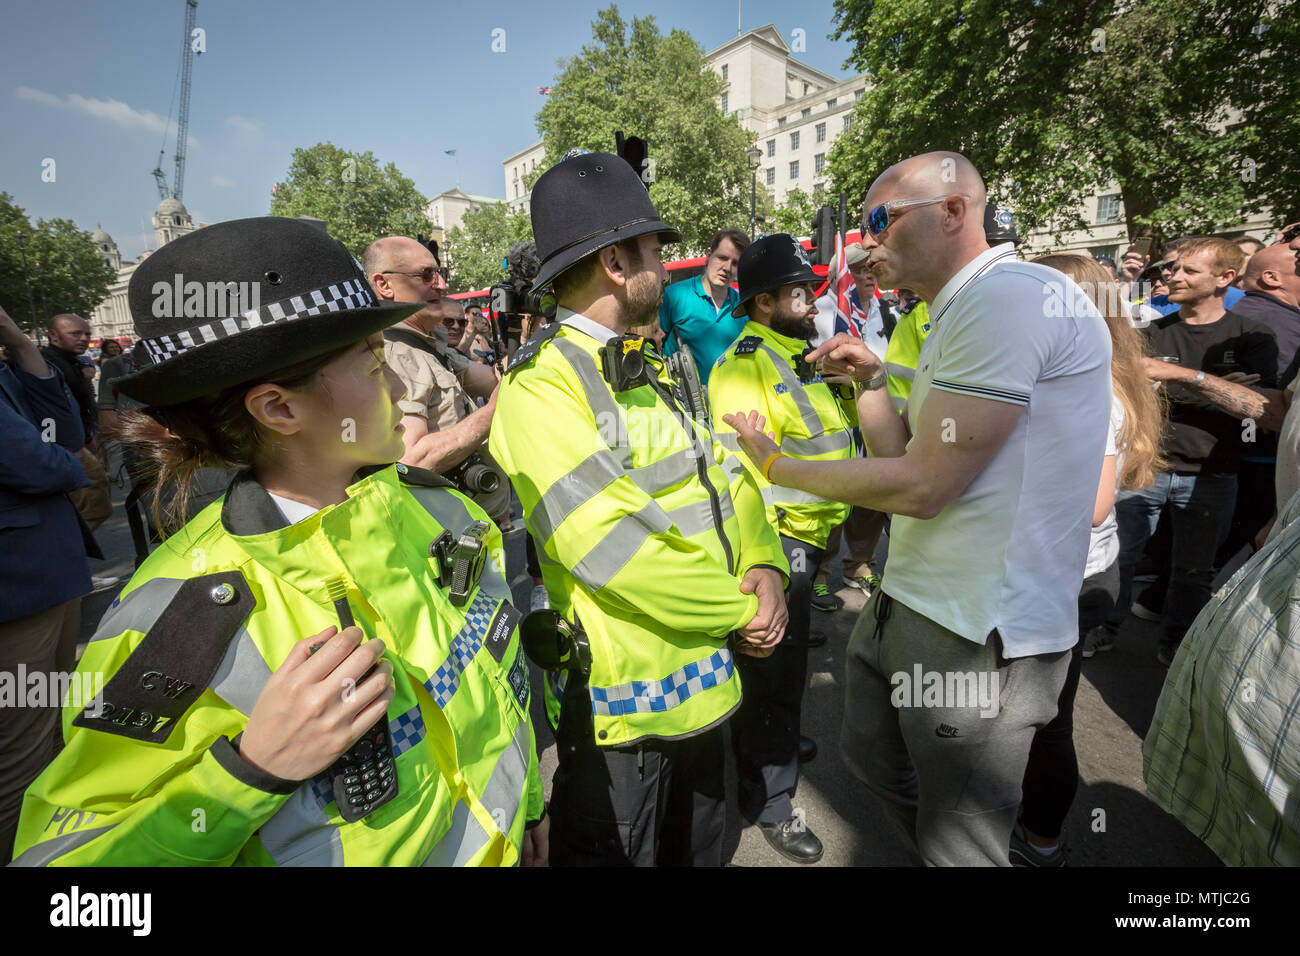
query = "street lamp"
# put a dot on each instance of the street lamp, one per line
(31, 299)
(755, 156)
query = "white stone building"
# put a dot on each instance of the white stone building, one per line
(112, 317)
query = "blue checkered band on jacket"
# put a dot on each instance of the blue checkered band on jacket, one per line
(442, 685)
(645, 697)
(340, 297)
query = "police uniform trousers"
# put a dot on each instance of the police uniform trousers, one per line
(765, 730)
(660, 802)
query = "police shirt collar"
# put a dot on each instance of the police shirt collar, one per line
(583, 324)
(249, 510)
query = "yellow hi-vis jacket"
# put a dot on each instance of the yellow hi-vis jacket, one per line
(640, 539)
(810, 420)
(154, 776)
(904, 351)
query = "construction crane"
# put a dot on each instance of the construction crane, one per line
(183, 117)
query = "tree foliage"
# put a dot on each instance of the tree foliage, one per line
(795, 215)
(66, 271)
(635, 79)
(477, 247)
(359, 200)
(1055, 102)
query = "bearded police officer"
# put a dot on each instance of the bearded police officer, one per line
(645, 549)
(764, 370)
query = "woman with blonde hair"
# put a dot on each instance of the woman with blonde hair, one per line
(1132, 457)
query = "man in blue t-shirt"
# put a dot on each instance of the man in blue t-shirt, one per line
(697, 312)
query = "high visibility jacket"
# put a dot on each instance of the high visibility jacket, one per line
(239, 579)
(904, 350)
(810, 420)
(640, 540)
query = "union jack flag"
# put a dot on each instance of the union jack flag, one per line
(841, 286)
(544, 90)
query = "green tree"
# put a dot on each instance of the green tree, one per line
(477, 247)
(66, 271)
(1054, 102)
(635, 79)
(795, 215)
(359, 200)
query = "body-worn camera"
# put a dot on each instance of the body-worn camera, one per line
(553, 644)
(460, 560)
(804, 370)
(623, 361)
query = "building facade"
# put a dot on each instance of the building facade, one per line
(515, 168)
(447, 209)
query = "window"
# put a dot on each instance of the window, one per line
(821, 132)
(794, 140)
(805, 89)
(794, 169)
(771, 148)
(848, 120)
(819, 163)
(516, 190)
(771, 175)
(724, 103)
(857, 94)
(1108, 208)
(781, 121)
(724, 72)
(806, 113)
(830, 104)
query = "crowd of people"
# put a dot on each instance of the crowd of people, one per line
(999, 448)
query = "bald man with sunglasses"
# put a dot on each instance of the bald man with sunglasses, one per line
(991, 473)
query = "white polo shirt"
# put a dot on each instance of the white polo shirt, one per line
(1009, 552)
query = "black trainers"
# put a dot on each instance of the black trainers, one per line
(1023, 853)
(822, 599)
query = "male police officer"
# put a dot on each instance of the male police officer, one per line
(764, 370)
(644, 546)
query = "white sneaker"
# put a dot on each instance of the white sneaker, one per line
(102, 583)
(540, 600)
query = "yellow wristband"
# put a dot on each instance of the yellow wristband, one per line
(767, 465)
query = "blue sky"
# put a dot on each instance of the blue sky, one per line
(89, 85)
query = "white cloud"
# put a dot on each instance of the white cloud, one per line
(109, 110)
(225, 182)
(242, 124)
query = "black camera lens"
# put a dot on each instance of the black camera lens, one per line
(633, 365)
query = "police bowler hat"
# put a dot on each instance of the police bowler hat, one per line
(768, 263)
(240, 300)
(585, 203)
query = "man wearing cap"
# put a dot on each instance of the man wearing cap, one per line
(663, 567)
(764, 370)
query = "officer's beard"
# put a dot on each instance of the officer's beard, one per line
(644, 293)
(785, 322)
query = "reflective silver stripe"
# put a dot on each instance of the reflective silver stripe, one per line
(139, 610)
(570, 491)
(619, 545)
(730, 441)
(898, 402)
(664, 473)
(733, 467)
(459, 844)
(242, 674)
(45, 853)
(902, 371)
(797, 394)
(505, 791)
(777, 495)
(694, 518)
(819, 444)
(450, 511)
(301, 834)
(599, 397)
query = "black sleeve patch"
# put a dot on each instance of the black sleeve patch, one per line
(500, 628)
(175, 662)
(528, 351)
(748, 345)
(422, 477)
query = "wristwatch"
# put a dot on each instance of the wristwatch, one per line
(873, 384)
(1200, 377)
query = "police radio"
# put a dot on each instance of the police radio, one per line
(623, 362)
(681, 366)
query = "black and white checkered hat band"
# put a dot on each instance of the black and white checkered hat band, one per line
(341, 297)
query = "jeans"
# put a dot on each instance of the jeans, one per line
(1201, 508)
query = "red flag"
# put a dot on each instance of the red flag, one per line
(275, 190)
(841, 286)
(544, 90)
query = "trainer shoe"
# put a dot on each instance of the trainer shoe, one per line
(1097, 640)
(866, 583)
(1165, 654)
(539, 600)
(1140, 610)
(99, 583)
(822, 599)
(1024, 853)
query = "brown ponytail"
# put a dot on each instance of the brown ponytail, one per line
(210, 432)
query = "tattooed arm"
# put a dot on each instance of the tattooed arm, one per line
(1267, 406)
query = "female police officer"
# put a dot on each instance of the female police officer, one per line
(244, 719)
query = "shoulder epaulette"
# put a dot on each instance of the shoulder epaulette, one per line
(748, 345)
(904, 310)
(528, 351)
(409, 475)
(176, 661)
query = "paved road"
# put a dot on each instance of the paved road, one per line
(1112, 822)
